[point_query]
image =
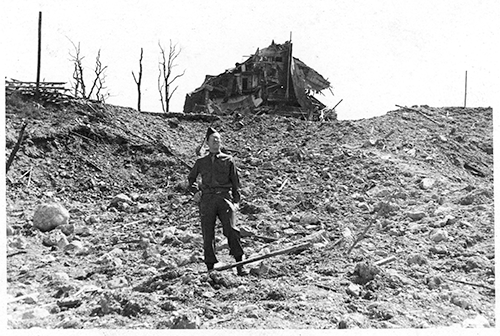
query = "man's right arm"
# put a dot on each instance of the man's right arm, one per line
(193, 174)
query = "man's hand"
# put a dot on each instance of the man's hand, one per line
(193, 188)
(197, 197)
(198, 150)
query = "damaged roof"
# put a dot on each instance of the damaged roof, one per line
(271, 76)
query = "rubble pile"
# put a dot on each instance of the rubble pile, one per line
(397, 210)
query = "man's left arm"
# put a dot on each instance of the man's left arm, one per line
(235, 181)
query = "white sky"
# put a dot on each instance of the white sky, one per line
(375, 53)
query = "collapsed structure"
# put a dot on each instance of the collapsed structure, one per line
(270, 78)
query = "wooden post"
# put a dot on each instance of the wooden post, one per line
(39, 52)
(465, 98)
(289, 69)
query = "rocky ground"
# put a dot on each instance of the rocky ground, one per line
(418, 181)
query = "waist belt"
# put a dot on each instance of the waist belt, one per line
(215, 191)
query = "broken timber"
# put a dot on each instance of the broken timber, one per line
(16, 147)
(384, 261)
(361, 236)
(472, 284)
(419, 112)
(295, 248)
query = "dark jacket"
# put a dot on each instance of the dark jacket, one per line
(218, 175)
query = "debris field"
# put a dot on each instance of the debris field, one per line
(397, 211)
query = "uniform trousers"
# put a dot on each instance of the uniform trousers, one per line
(213, 206)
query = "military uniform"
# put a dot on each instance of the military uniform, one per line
(219, 188)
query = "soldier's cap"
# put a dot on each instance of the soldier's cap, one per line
(210, 131)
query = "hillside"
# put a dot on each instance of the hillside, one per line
(419, 180)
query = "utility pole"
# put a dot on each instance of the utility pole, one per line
(287, 94)
(39, 52)
(465, 98)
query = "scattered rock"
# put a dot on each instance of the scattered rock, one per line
(439, 249)
(53, 238)
(260, 268)
(380, 311)
(449, 220)
(60, 276)
(63, 242)
(460, 300)
(417, 259)
(18, 242)
(365, 272)
(185, 320)
(120, 200)
(67, 229)
(354, 290)
(169, 306)
(434, 281)
(477, 322)
(83, 231)
(37, 313)
(416, 214)
(48, 216)
(427, 183)
(386, 208)
(443, 209)
(308, 218)
(438, 235)
(467, 199)
(147, 207)
(475, 262)
(69, 303)
(92, 219)
(378, 191)
(118, 282)
(353, 321)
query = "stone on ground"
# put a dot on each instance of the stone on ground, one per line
(48, 216)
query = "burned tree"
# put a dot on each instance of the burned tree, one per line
(78, 86)
(165, 79)
(100, 78)
(138, 81)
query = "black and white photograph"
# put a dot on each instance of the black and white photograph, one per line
(253, 167)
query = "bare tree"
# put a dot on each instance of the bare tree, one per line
(138, 83)
(165, 79)
(100, 79)
(78, 85)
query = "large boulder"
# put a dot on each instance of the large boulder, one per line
(48, 216)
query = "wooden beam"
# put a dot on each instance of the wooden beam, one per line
(265, 256)
(419, 112)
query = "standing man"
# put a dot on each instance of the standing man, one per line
(219, 198)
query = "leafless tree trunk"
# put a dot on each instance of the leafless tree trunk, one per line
(165, 79)
(79, 84)
(138, 82)
(161, 85)
(99, 80)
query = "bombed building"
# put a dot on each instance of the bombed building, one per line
(271, 78)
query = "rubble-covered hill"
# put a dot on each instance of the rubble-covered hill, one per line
(398, 210)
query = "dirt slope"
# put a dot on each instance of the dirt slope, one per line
(421, 179)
